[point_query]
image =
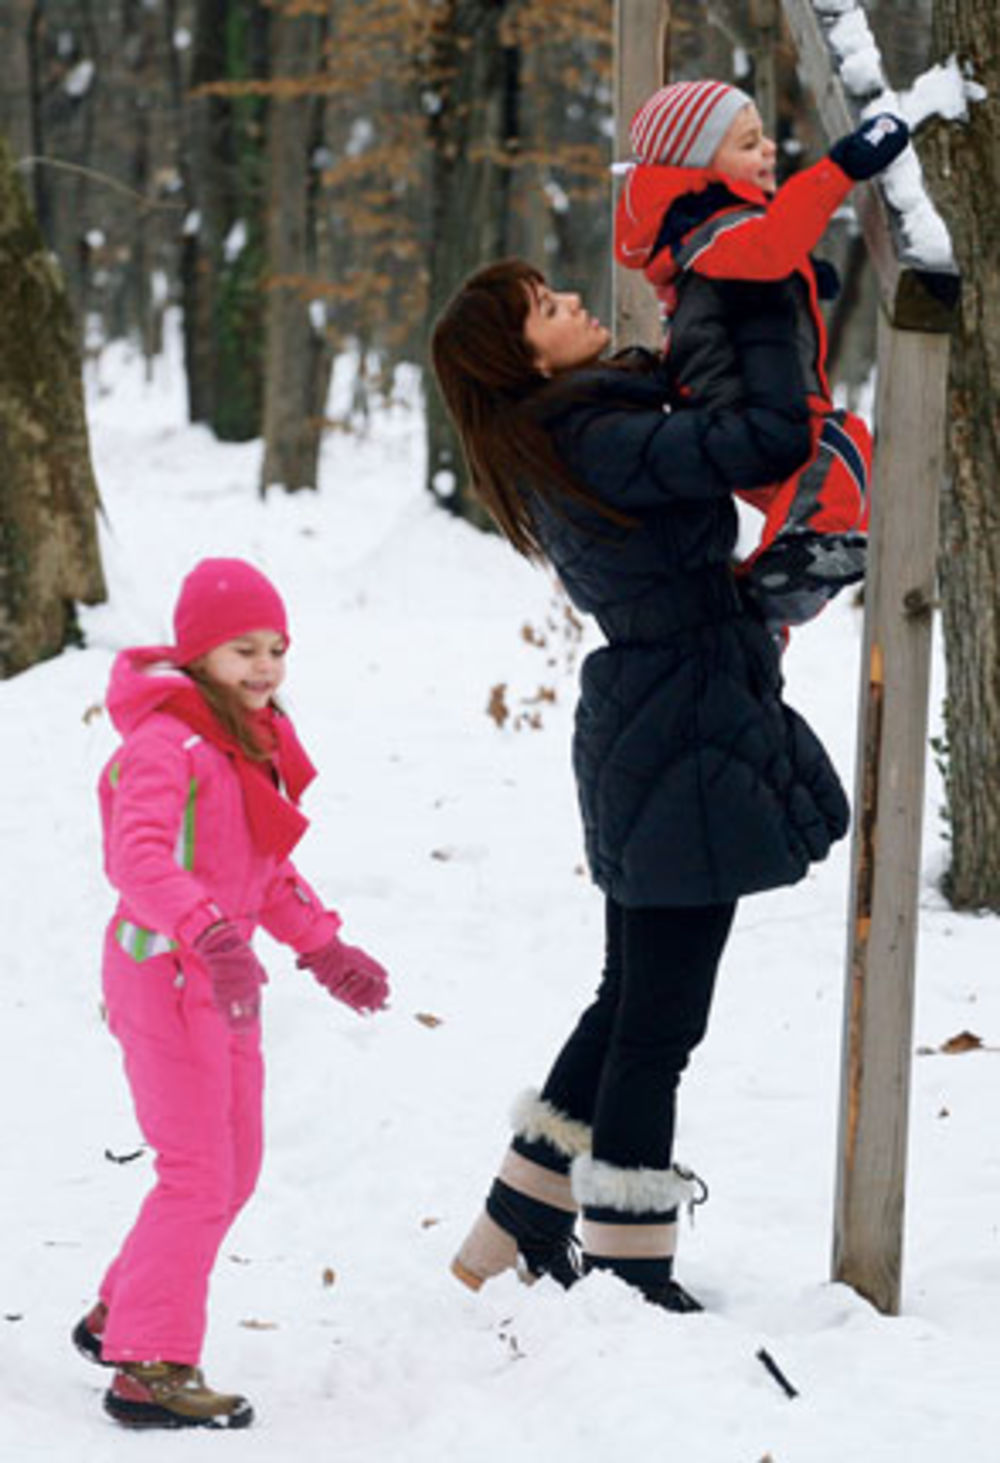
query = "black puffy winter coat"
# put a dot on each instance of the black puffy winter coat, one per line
(697, 784)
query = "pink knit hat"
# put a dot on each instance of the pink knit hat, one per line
(682, 124)
(220, 600)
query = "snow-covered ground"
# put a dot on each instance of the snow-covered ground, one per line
(452, 848)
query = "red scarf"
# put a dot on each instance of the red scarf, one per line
(276, 825)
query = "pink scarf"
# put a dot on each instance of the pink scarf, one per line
(276, 824)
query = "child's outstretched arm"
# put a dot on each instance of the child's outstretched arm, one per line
(294, 914)
(746, 244)
(349, 975)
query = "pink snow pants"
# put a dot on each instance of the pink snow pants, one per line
(198, 1088)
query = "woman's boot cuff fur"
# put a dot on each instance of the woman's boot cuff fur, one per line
(537, 1120)
(600, 1185)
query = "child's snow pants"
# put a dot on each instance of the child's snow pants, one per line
(814, 538)
(197, 1087)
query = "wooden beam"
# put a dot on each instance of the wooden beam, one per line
(765, 28)
(914, 296)
(919, 305)
(888, 810)
(642, 64)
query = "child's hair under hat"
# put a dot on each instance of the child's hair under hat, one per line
(220, 600)
(682, 124)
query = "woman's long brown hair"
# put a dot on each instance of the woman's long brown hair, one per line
(490, 381)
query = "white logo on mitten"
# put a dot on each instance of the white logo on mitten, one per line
(880, 129)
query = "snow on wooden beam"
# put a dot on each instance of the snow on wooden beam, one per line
(907, 241)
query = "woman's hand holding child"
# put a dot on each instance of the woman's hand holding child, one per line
(235, 972)
(349, 975)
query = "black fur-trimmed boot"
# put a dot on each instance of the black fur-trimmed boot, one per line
(630, 1225)
(528, 1220)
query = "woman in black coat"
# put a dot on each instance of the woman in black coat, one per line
(697, 784)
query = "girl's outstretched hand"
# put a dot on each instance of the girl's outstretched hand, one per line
(235, 972)
(349, 975)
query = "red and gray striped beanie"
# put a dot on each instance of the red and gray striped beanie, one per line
(682, 124)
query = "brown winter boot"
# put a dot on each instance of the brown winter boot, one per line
(169, 1395)
(88, 1331)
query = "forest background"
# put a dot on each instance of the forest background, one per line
(306, 177)
(307, 180)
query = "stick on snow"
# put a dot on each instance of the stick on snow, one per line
(771, 1366)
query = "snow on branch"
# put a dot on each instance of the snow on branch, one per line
(944, 91)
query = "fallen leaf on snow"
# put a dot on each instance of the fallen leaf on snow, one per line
(496, 708)
(426, 1019)
(965, 1041)
(955, 1046)
(545, 695)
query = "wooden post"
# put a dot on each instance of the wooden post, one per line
(642, 60)
(765, 20)
(918, 305)
(888, 813)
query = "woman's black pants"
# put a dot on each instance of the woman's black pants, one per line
(620, 1068)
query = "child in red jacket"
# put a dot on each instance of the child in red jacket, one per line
(701, 204)
(200, 813)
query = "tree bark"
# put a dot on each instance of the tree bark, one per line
(298, 357)
(48, 544)
(964, 171)
(473, 79)
(222, 261)
(15, 77)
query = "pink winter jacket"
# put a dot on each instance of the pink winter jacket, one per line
(177, 846)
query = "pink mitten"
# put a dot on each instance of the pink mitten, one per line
(235, 972)
(349, 975)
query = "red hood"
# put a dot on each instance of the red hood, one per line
(141, 680)
(649, 191)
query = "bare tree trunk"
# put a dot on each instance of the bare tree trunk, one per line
(852, 320)
(15, 73)
(473, 129)
(965, 174)
(903, 34)
(48, 545)
(222, 259)
(297, 356)
(765, 32)
(61, 46)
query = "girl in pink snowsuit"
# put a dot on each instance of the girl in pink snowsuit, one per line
(199, 809)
